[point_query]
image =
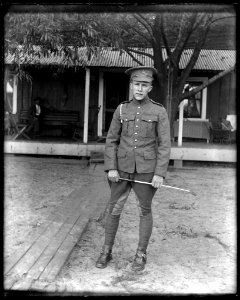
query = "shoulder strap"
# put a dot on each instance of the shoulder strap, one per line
(154, 102)
(121, 105)
(121, 112)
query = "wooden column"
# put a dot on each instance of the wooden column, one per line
(86, 105)
(100, 103)
(15, 90)
(180, 124)
(178, 163)
(204, 104)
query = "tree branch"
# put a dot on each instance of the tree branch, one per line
(144, 23)
(157, 45)
(195, 55)
(198, 22)
(147, 21)
(206, 83)
(134, 28)
(133, 57)
(222, 18)
(140, 52)
(187, 24)
(148, 39)
(164, 37)
(185, 73)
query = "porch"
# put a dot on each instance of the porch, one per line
(196, 150)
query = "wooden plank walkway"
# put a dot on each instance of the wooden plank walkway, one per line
(41, 260)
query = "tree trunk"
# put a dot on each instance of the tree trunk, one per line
(163, 93)
(174, 110)
(158, 94)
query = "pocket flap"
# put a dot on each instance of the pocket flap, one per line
(127, 118)
(121, 153)
(150, 154)
(150, 118)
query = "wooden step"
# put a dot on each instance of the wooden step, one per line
(43, 258)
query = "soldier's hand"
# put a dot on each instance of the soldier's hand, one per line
(157, 181)
(113, 175)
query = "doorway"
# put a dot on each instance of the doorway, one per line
(116, 91)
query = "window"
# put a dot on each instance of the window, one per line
(11, 93)
(196, 108)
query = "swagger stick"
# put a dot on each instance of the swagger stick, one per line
(166, 186)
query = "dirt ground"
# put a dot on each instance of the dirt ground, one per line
(192, 249)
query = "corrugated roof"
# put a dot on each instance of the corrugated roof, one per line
(217, 60)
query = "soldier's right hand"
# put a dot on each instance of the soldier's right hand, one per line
(113, 176)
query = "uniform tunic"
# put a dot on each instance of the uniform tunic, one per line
(138, 139)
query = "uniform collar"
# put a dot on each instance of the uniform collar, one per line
(140, 102)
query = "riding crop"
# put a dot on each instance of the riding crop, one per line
(163, 185)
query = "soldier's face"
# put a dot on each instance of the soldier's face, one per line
(140, 89)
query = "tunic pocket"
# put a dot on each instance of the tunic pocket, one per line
(121, 153)
(128, 124)
(150, 155)
(148, 128)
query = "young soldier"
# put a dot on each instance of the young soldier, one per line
(137, 148)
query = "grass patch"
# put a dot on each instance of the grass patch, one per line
(183, 207)
(182, 231)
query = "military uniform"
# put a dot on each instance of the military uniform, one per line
(138, 138)
(137, 147)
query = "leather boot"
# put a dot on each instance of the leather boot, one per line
(104, 258)
(139, 260)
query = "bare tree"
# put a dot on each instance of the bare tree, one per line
(168, 47)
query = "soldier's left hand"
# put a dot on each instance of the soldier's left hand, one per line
(157, 181)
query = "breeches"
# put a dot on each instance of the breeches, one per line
(119, 194)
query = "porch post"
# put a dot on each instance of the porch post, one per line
(86, 105)
(100, 104)
(180, 125)
(204, 103)
(15, 88)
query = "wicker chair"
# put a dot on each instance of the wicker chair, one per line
(219, 135)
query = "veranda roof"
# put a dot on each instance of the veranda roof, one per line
(216, 60)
